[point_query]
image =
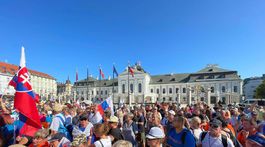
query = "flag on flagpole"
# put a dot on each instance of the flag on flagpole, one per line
(101, 73)
(115, 71)
(25, 100)
(131, 71)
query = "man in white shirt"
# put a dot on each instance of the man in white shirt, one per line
(214, 138)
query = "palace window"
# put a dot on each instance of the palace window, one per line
(223, 88)
(140, 88)
(235, 89)
(177, 90)
(157, 91)
(184, 90)
(170, 90)
(152, 90)
(164, 90)
(123, 88)
(212, 89)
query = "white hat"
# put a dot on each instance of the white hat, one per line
(155, 133)
(113, 119)
(171, 112)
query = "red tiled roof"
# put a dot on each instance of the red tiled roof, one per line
(12, 69)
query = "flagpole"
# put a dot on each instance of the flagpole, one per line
(113, 82)
(129, 86)
(99, 83)
(87, 82)
(76, 78)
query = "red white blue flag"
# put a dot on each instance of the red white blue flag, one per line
(101, 108)
(101, 74)
(131, 71)
(25, 100)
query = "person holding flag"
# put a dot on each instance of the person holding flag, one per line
(25, 103)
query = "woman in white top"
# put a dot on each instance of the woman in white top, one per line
(101, 130)
(195, 127)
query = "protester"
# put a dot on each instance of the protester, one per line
(101, 131)
(130, 129)
(195, 127)
(114, 131)
(155, 137)
(58, 124)
(253, 137)
(214, 137)
(84, 127)
(180, 136)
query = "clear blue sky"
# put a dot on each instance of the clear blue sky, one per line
(167, 36)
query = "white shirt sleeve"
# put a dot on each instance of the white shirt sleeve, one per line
(55, 124)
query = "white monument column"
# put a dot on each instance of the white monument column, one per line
(178, 95)
(208, 96)
(189, 95)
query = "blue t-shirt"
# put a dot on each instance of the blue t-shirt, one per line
(174, 138)
(257, 138)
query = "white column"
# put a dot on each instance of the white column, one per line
(178, 95)
(208, 96)
(189, 95)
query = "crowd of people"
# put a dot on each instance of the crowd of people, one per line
(149, 125)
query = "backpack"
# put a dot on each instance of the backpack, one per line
(224, 139)
(66, 130)
(234, 139)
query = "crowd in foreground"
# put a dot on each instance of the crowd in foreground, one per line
(154, 125)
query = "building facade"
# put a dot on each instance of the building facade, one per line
(42, 84)
(64, 91)
(250, 85)
(211, 84)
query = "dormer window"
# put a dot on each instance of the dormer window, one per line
(160, 80)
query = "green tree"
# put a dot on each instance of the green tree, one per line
(260, 91)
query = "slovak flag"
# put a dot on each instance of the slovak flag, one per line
(25, 100)
(101, 74)
(131, 71)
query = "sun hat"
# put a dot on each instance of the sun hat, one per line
(57, 107)
(113, 119)
(155, 133)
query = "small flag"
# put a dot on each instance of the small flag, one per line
(101, 73)
(115, 71)
(131, 71)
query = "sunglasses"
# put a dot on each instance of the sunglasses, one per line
(214, 126)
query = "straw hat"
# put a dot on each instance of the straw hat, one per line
(57, 107)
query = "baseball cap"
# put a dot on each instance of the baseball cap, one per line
(113, 119)
(57, 136)
(155, 133)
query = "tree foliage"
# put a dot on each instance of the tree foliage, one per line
(260, 91)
